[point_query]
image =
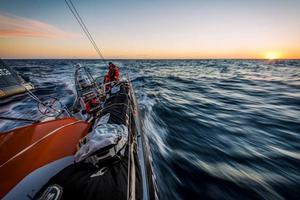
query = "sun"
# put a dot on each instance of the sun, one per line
(272, 55)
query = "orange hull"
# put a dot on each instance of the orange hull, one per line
(26, 149)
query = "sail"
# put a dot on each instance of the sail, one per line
(8, 77)
(10, 82)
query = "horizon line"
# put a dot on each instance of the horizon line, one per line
(148, 59)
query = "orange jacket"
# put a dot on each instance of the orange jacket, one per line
(90, 104)
(106, 80)
(113, 72)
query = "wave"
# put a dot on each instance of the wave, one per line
(218, 129)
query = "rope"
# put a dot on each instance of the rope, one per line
(83, 26)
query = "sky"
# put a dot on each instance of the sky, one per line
(156, 29)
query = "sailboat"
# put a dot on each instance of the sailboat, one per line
(95, 149)
(11, 83)
(78, 154)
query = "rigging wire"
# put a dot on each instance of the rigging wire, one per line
(79, 17)
(83, 26)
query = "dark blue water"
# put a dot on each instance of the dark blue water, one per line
(218, 129)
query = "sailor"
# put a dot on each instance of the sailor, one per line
(112, 75)
(90, 104)
(113, 72)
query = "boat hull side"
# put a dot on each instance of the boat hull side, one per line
(52, 146)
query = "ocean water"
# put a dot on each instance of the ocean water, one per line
(218, 129)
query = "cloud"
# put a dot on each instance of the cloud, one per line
(15, 26)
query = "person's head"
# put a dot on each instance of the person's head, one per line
(109, 65)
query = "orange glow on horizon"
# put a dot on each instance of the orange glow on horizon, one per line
(51, 49)
(40, 48)
(272, 55)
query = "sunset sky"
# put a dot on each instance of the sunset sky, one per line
(151, 29)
